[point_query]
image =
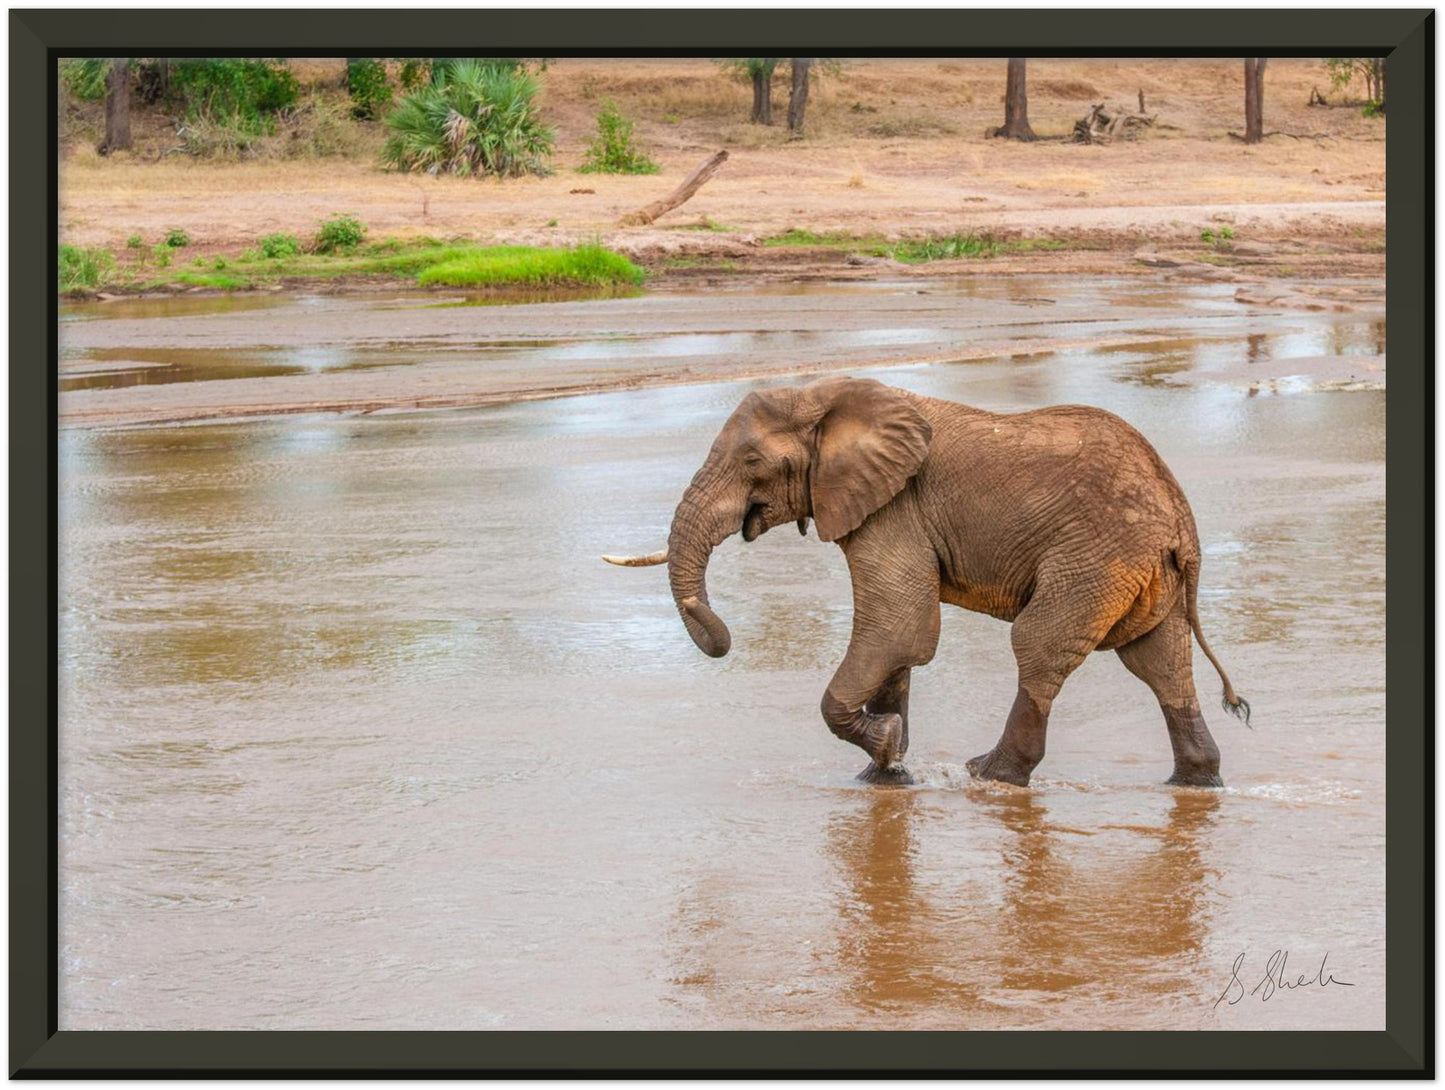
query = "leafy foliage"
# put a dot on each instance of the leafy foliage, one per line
(339, 234)
(413, 73)
(1344, 70)
(481, 120)
(367, 84)
(747, 68)
(175, 238)
(86, 79)
(248, 93)
(280, 245)
(612, 151)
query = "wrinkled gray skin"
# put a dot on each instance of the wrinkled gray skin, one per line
(1063, 521)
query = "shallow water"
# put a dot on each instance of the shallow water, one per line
(357, 731)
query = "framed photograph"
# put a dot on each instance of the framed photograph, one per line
(704, 555)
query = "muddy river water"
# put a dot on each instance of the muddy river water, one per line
(358, 732)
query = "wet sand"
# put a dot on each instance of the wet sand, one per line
(158, 361)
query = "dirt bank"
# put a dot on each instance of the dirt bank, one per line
(893, 149)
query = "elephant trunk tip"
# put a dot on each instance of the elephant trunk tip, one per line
(706, 628)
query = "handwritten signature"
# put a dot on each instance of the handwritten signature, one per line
(1275, 979)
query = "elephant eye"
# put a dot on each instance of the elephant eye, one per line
(752, 459)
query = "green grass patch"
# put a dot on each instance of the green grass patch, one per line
(82, 269)
(220, 281)
(916, 251)
(494, 265)
(424, 260)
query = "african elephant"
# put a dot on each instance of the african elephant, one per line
(1063, 521)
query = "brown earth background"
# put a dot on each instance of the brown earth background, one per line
(893, 148)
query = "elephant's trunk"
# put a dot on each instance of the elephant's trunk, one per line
(705, 517)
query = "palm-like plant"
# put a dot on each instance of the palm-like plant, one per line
(480, 120)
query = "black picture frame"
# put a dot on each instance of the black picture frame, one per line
(37, 37)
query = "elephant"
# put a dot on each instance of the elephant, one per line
(1063, 521)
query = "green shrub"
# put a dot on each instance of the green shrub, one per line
(247, 93)
(414, 72)
(86, 79)
(340, 234)
(369, 89)
(135, 242)
(80, 268)
(162, 254)
(280, 246)
(612, 152)
(480, 120)
(176, 238)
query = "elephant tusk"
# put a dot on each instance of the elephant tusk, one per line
(638, 561)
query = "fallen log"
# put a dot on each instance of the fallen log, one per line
(682, 193)
(1100, 127)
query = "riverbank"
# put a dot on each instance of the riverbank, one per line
(894, 153)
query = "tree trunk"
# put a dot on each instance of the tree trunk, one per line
(1382, 85)
(1254, 99)
(762, 98)
(798, 101)
(117, 107)
(1016, 103)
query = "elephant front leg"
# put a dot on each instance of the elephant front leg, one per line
(895, 628)
(892, 699)
(882, 736)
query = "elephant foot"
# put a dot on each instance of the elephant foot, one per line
(883, 739)
(1195, 777)
(893, 776)
(992, 766)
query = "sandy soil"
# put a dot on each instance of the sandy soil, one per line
(893, 147)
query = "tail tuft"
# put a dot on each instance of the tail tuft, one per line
(1239, 709)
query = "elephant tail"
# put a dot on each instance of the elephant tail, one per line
(1234, 704)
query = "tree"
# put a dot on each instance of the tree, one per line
(1344, 69)
(1016, 103)
(760, 69)
(117, 106)
(1254, 99)
(798, 100)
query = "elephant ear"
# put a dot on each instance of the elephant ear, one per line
(870, 441)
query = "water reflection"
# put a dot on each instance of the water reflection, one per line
(1129, 925)
(1052, 911)
(116, 368)
(899, 950)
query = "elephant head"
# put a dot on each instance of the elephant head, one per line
(834, 451)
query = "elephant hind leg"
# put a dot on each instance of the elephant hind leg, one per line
(1055, 632)
(1162, 658)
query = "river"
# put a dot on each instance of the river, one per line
(358, 732)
